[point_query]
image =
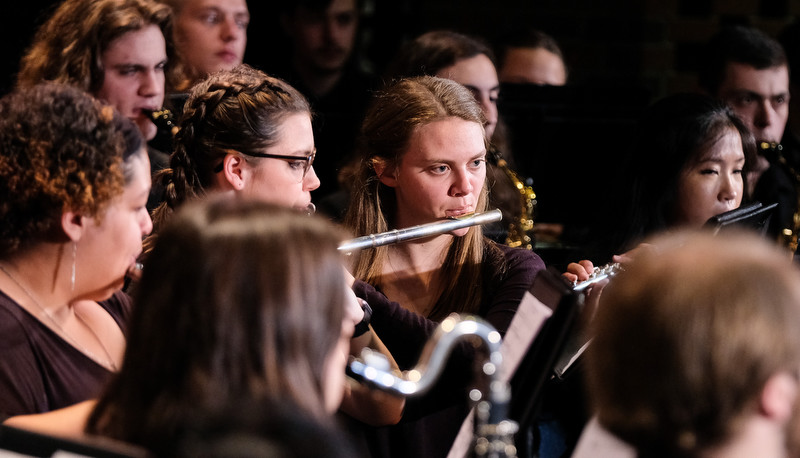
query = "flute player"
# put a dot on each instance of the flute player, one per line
(422, 157)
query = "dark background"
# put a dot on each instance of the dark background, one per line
(621, 54)
(652, 43)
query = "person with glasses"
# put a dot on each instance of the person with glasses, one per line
(248, 134)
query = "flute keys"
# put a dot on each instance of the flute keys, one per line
(599, 273)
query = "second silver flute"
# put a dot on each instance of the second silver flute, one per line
(423, 230)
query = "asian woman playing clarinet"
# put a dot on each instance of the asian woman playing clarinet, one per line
(689, 161)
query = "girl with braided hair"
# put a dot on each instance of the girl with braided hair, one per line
(241, 132)
(247, 134)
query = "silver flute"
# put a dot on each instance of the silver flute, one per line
(423, 230)
(599, 273)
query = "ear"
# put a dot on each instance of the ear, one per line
(778, 396)
(234, 171)
(73, 224)
(387, 175)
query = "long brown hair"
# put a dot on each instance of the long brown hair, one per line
(68, 47)
(392, 119)
(239, 298)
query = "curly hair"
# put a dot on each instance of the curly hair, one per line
(60, 149)
(68, 47)
(239, 109)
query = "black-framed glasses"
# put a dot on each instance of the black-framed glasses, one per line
(299, 164)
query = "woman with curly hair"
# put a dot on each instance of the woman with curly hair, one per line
(73, 185)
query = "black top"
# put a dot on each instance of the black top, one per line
(39, 370)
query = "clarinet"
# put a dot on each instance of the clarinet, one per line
(164, 121)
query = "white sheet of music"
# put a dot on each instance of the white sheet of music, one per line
(527, 322)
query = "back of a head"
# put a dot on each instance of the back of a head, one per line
(740, 44)
(432, 51)
(60, 149)
(273, 429)
(687, 336)
(238, 299)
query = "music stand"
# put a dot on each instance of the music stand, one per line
(536, 367)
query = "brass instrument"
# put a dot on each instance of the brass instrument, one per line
(493, 431)
(789, 235)
(422, 230)
(519, 231)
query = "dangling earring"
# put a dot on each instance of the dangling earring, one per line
(74, 257)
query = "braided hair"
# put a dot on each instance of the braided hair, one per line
(239, 109)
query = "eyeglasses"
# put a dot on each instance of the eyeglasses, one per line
(299, 165)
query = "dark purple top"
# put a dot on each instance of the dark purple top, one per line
(431, 422)
(39, 370)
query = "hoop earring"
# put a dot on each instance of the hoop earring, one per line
(74, 262)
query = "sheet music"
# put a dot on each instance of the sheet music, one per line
(527, 322)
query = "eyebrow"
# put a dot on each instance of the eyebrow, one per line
(137, 66)
(747, 92)
(481, 155)
(217, 9)
(476, 89)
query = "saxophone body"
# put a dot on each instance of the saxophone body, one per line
(520, 230)
(789, 235)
